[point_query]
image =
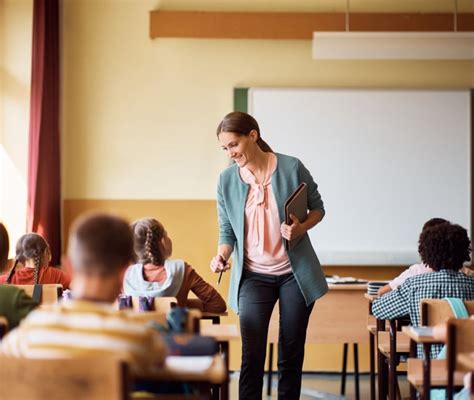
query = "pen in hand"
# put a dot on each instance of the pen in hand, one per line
(224, 264)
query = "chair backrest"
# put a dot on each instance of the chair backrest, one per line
(57, 379)
(435, 311)
(51, 292)
(460, 338)
(161, 304)
(192, 325)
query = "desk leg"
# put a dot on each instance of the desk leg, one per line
(381, 378)
(412, 355)
(356, 370)
(270, 370)
(372, 366)
(344, 369)
(426, 371)
(225, 385)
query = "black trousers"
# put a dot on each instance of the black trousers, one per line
(257, 297)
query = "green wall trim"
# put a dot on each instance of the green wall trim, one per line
(241, 99)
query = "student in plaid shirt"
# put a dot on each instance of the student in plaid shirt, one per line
(444, 247)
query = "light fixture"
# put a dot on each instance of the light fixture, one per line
(393, 45)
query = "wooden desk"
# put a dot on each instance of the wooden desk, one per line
(214, 317)
(467, 360)
(340, 316)
(216, 374)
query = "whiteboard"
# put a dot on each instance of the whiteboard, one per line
(385, 162)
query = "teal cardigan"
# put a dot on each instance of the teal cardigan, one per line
(231, 198)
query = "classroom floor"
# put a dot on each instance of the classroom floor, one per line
(322, 386)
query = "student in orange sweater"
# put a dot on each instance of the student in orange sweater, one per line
(33, 252)
(158, 276)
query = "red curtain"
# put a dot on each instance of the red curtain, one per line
(44, 191)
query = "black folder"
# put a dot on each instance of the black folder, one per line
(296, 204)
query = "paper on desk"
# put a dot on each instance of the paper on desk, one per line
(189, 363)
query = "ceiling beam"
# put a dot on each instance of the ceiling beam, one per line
(292, 25)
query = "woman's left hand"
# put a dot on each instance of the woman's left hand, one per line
(296, 229)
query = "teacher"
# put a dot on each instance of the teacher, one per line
(251, 194)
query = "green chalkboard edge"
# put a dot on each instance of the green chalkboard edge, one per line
(241, 99)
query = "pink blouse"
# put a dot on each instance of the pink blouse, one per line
(263, 251)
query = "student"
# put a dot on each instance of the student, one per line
(15, 304)
(4, 249)
(100, 249)
(33, 252)
(416, 269)
(444, 247)
(158, 276)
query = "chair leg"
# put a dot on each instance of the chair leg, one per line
(344, 369)
(270, 370)
(356, 370)
(381, 378)
(399, 394)
(426, 371)
(372, 365)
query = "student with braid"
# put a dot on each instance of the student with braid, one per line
(33, 252)
(158, 276)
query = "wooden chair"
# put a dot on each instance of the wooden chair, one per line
(391, 348)
(432, 312)
(58, 379)
(436, 311)
(444, 373)
(160, 304)
(50, 292)
(192, 326)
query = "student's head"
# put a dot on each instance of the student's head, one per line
(151, 241)
(4, 246)
(433, 222)
(239, 135)
(32, 250)
(445, 246)
(99, 251)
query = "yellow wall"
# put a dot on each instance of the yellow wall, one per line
(139, 116)
(15, 76)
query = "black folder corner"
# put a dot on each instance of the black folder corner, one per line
(296, 204)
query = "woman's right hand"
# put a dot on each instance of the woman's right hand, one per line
(218, 264)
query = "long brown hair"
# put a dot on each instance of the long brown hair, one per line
(242, 124)
(147, 235)
(4, 246)
(30, 247)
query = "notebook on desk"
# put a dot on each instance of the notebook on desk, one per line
(296, 204)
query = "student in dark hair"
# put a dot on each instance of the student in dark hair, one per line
(32, 251)
(444, 247)
(4, 248)
(157, 275)
(100, 249)
(251, 194)
(417, 269)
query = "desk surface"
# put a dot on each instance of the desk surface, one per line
(216, 373)
(418, 337)
(221, 332)
(466, 360)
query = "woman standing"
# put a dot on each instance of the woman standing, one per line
(251, 195)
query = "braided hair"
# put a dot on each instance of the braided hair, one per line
(147, 235)
(30, 247)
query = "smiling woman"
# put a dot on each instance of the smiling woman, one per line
(251, 196)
